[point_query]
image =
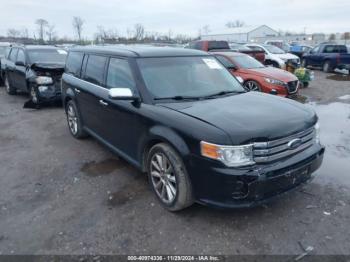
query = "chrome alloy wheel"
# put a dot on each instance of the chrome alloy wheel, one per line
(163, 178)
(72, 120)
(252, 86)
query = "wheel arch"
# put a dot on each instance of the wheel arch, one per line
(161, 134)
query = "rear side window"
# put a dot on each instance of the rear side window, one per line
(13, 54)
(119, 74)
(330, 49)
(342, 49)
(95, 68)
(73, 65)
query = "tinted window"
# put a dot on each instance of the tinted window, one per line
(21, 56)
(119, 74)
(73, 65)
(329, 49)
(47, 56)
(94, 69)
(218, 45)
(342, 49)
(13, 54)
(223, 60)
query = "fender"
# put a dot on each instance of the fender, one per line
(161, 134)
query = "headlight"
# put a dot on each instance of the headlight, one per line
(44, 80)
(317, 135)
(232, 156)
(275, 82)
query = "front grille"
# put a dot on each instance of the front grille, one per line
(292, 86)
(277, 149)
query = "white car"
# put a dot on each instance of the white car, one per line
(275, 56)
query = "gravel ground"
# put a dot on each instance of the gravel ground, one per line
(59, 195)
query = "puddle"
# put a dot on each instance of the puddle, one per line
(104, 167)
(129, 192)
(339, 77)
(335, 135)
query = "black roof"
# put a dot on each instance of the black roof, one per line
(140, 51)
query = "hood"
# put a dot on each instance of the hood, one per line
(48, 66)
(250, 116)
(272, 72)
(286, 56)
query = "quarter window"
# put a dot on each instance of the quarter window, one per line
(73, 65)
(119, 74)
(94, 69)
(21, 56)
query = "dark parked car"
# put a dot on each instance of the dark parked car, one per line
(4, 47)
(180, 116)
(36, 70)
(329, 56)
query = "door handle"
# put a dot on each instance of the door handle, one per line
(103, 103)
(77, 90)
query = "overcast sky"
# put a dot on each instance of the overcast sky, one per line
(181, 16)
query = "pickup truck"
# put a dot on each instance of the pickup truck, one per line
(220, 46)
(327, 56)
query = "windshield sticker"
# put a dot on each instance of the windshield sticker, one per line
(62, 52)
(212, 64)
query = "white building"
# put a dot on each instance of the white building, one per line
(241, 34)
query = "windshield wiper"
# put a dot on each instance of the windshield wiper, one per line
(177, 98)
(222, 93)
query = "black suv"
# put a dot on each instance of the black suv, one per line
(180, 116)
(36, 70)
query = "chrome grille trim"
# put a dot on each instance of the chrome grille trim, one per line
(276, 149)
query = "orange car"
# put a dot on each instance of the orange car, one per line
(256, 76)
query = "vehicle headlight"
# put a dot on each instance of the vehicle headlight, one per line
(44, 80)
(317, 131)
(275, 82)
(232, 156)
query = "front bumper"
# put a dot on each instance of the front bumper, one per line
(52, 94)
(251, 186)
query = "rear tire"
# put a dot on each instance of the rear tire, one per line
(168, 178)
(9, 88)
(74, 121)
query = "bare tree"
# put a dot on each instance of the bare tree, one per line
(42, 24)
(236, 23)
(51, 33)
(205, 29)
(139, 31)
(78, 23)
(25, 33)
(346, 36)
(331, 37)
(13, 33)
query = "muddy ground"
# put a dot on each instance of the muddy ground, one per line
(59, 195)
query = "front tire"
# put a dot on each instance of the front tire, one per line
(327, 67)
(9, 88)
(251, 85)
(74, 120)
(168, 178)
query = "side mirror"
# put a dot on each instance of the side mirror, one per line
(19, 63)
(232, 67)
(240, 79)
(122, 94)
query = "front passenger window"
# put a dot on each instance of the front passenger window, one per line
(119, 74)
(94, 69)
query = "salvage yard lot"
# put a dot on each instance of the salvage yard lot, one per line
(59, 195)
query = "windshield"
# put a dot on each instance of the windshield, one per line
(195, 77)
(247, 62)
(240, 47)
(47, 56)
(2, 50)
(274, 49)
